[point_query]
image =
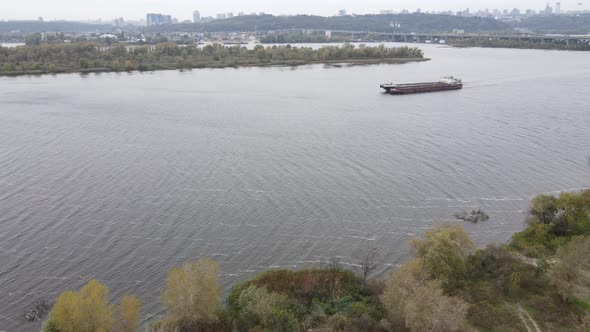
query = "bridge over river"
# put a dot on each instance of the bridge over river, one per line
(446, 37)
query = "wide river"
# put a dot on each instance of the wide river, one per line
(120, 177)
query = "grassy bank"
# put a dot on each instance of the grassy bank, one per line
(87, 58)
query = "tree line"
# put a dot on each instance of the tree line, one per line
(524, 44)
(561, 24)
(406, 23)
(52, 26)
(89, 57)
(447, 285)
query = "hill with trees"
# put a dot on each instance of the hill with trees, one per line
(406, 23)
(51, 26)
(380, 23)
(557, 24)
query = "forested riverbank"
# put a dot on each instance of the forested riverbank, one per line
(540, 278)
(521, 44)
(88, 57)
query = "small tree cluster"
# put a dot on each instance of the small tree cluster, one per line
(90, 311)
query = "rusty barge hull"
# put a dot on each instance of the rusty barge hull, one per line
(443, 85)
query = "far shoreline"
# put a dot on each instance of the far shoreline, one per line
(295, 63)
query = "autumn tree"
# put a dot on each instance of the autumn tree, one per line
(413, 300)
(128, 314)
(192, 292)
(86, 311)
(567, 271)
(444, 251)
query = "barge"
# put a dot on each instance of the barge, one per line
(444, 84)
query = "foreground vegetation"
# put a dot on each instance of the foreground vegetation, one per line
(86, 57)
(540, 280)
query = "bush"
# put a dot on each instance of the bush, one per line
(493, 316)
(259, 309)
(305, 285)
(413, 300)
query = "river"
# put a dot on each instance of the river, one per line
(122, 176)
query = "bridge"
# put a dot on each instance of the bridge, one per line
(445, 37)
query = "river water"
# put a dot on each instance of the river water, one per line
(120, 177)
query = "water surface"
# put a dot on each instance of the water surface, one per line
(122, 176)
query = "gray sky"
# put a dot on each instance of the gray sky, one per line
(182, 9)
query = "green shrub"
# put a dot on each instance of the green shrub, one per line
(259, 309)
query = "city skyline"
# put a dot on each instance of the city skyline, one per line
(183, 10)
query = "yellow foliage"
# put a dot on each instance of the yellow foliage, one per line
(86, 311)
(192, 292)
(415, 301)
(128, 314)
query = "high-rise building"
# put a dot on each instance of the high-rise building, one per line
(158, 19)
(230, 15)
(558, 8)
(221, 16)
(548, 10)
(119, 22)
(196, 16)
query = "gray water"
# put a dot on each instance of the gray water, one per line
(120, 177)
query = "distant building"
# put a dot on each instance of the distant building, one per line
(119, 22)
(196, 16)
(230, 15)
(158, 19)
(241, 14)
(548, 10)
(342, 12)
(558, 8)
(40, 19)
(108, 36)
(221, 16)
(385, 12)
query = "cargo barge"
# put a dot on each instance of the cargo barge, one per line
(444, 84)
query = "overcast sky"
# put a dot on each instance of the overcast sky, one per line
(182, 9)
